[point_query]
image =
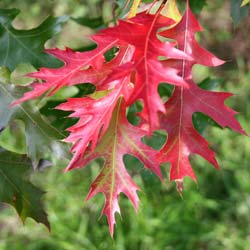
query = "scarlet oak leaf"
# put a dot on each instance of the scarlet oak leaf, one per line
(141, 32)
(184, 34)
(80, 67)
(183, 140)
(94, 118)
(121, 138)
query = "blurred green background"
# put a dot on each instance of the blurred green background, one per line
(215, 214)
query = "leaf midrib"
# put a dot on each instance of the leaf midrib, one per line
(182, 95)
(113, 168)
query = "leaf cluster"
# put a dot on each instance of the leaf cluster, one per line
(128, 64)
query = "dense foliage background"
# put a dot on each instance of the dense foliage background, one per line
(213, 215)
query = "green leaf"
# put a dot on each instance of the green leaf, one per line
(202, 121)
(132, 113)
(156, 140)
(17, 191)
(237, 11)
(92, 23)
(197, 5)
(27, 46)
(165, 90)
(210, 84)
(42, 139)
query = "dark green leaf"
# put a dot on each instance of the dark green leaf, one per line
(197, 5)
(201, 122)
(110, 54)
(210, 84)
(132, 114)
(26, 46)
(17, 191)
(58, 117)
(92, 23)
(165, 90)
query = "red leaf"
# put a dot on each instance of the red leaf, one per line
(80, 67)
(94, 119)
(183, 140)
(141, 32)
(121, 138)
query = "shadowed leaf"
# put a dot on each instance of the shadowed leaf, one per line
(17, 191)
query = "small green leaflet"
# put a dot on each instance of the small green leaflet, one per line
(17, 191)
(19, 46)
(197, 5)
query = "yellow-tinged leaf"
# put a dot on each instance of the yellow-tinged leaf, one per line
(171, 10)
(245, 2)
(133, 9)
